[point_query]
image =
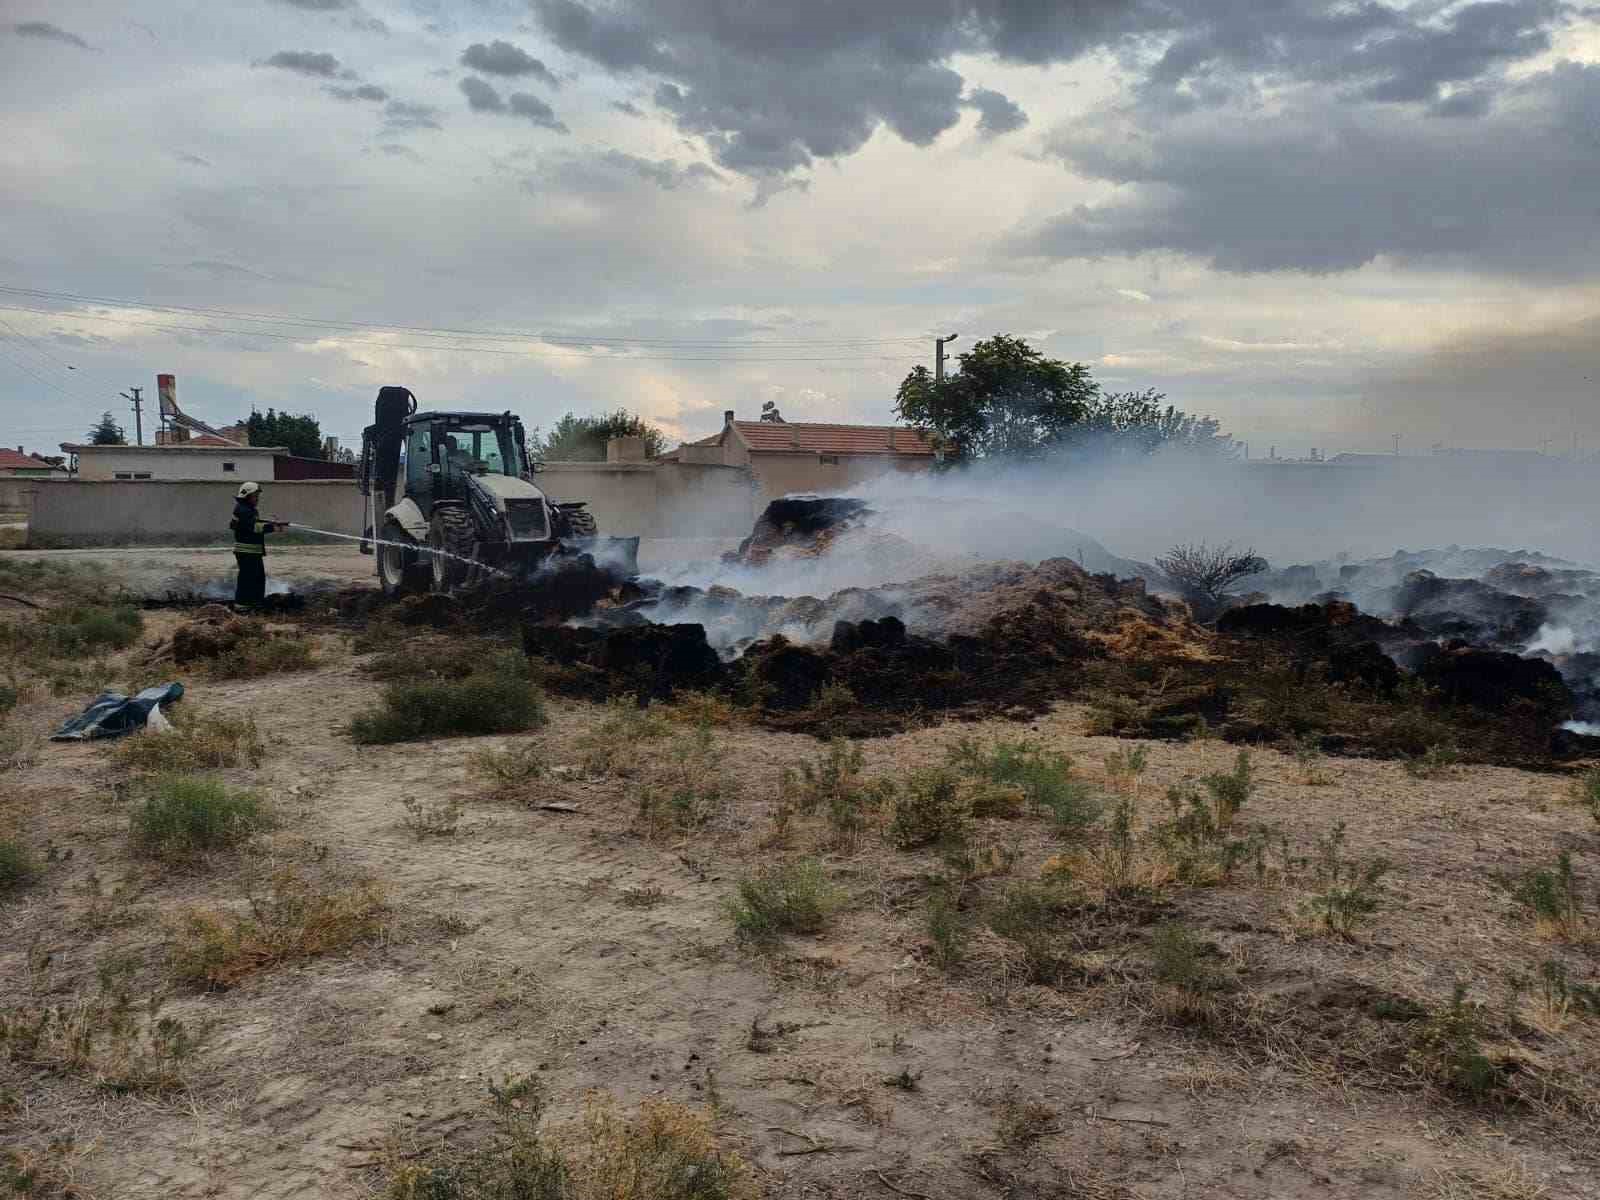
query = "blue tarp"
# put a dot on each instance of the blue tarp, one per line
(111, 714)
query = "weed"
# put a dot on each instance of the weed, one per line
(1586, 790)
(687, 789)
(432, 818)
(1020, 1122)
(1351, 891)
(612, 744)
(1448, 1050)
(1117, 852)
(792, 897)
(1199, 848)
(904, 1080)
(702, 709)
(1044, 776)
(833, 783)
(270, 655)
(1308, 756)
(1563, 995)
(1027, 915)
(1434, 763)
(187, 816)
(1124, 767)
(971, 861)
(511, 770)
(930, 808)
(1552, 898)
(832, 701)
(498, 698)
(297, 920)
(1230, 791)
(947, 929)
(82, 628)
(18, 868)
(196, 743)
(643, 896)
(1181, 962)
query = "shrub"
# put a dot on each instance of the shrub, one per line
(1020, 1123)
(611, 744)
(93, 627)
(1230, 791)
(1448, 1050)
(510, 770)
(1044, 776)
(930, 808)
(1351, 892)
(185, 816)
(665, 1152)
(1309, 758)
(106, 1039)
(1027, 915)
(1116, 854)
(18, 868)
(702, 708)
(1586, 789)
(947, 930)
(431, 818)
(1552, 898)
(270, 655)
(195, 743)
(1434, 763)
(496, 699)
(1181, 962)
(686, 789)
(833, 783)
(299, 919)
(1564, 995)
(1200, 849)
(1124, 767)
(793, 897)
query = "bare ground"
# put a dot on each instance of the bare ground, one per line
(512, 947)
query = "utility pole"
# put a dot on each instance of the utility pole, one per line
(1397, 443)
(138, 415)
(938, 356)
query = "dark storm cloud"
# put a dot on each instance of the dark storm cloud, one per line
(1321, 187)
(304, 62)
(772, 85)
(502, 58)
(997, 113)
(481, 96)
(367, 91)
(666, 173)
(48, 32)
(400, 116)
(534, 109)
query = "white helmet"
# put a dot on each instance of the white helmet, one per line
(247, 489)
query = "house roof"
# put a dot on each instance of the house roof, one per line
(197, 446)
(813, 438)
(209, 439)
(11, 460)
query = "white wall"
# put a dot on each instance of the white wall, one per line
(102, 463)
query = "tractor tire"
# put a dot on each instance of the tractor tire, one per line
(454, 542)
(399, 571)
(581, 523)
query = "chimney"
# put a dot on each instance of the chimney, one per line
(727, 417)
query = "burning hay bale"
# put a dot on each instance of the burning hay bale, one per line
(799, 525)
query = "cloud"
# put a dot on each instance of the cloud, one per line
(502, 58)
(1248, 189)
(395, 150)
(318, 5)
(304, 62)
(998, 114)
(481, 96)
(48, 32)
(612, 170)
(367, 91)
(627, 108)
(399, 116)
(194, 160)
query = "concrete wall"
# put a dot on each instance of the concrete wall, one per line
(16, 495)
(783, 474)
(155, 511)
(657, 500)
(172, 463)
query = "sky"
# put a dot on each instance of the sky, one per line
(1326, 224)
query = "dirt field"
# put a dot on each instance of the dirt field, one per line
(570, 946)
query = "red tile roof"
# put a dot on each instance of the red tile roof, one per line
(833, 439)
(12, 461)
(206, 439)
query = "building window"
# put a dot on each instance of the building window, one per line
(141, 474)
(124, 475)
(227, 466)
(829, 460)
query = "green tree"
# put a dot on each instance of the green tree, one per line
(302, 435)
(106, 432)
(1007, 399)
(1136, 423)
(583, 439)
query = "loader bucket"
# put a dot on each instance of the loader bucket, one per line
(621, 554)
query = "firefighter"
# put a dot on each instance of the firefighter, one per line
(250, 546)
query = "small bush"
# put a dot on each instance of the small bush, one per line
(1309, 758)
(1028, 915)
(1020, 1123)
(1124, 767)
(1181, 962)
(611, 745)
(834, 784)
(432, 818)
(793, 897)
(1449, 1051)
(106, 1039)
(510, 770)
(1563, 995)
(1230, 791)
(196, 743)
(1199, 848)
(1434, 763)
(1351, 893)
(1586, 789)
(1044, 776)
(930, 808)
(1552, 898)
(494, 700)
(185, 816)
(686, 789)
(1117, 853)
(93, 627)
(299, 919)
(18, 868)
(947, 930)
(702, 709)
(271, 655)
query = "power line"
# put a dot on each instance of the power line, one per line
(550, 336)
(49, 383)
(556, 349)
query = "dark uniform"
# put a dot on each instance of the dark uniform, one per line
(250, 552)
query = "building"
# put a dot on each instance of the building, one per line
(189, 461)
(18, 464)
(802, 456)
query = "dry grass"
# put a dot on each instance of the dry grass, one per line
(298, 919)
(116, 1046)
(277, 652)
(185, 817)
(512, 771)
(196, 743)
